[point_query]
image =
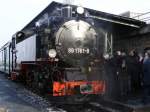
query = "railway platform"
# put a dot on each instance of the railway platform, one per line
(15, 98)
(10, 100)
(129, 104)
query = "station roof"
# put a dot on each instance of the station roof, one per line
(115, 20)
(4, 46)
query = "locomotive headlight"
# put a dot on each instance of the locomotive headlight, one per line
(52, 53)
(80, 10)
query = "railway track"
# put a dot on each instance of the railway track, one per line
(101, 106)
(47, 105)
(96, 105)
(111, 106)
(93, 106)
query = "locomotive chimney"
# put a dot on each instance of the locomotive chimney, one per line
(69, 2)
(66, 11)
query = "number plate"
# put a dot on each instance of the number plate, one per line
(86, 88)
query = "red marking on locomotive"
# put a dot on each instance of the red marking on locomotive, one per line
(68, 88)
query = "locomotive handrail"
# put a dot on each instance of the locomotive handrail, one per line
(113, 21)
(72, 69)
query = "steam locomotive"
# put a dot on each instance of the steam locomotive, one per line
(61, 53)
